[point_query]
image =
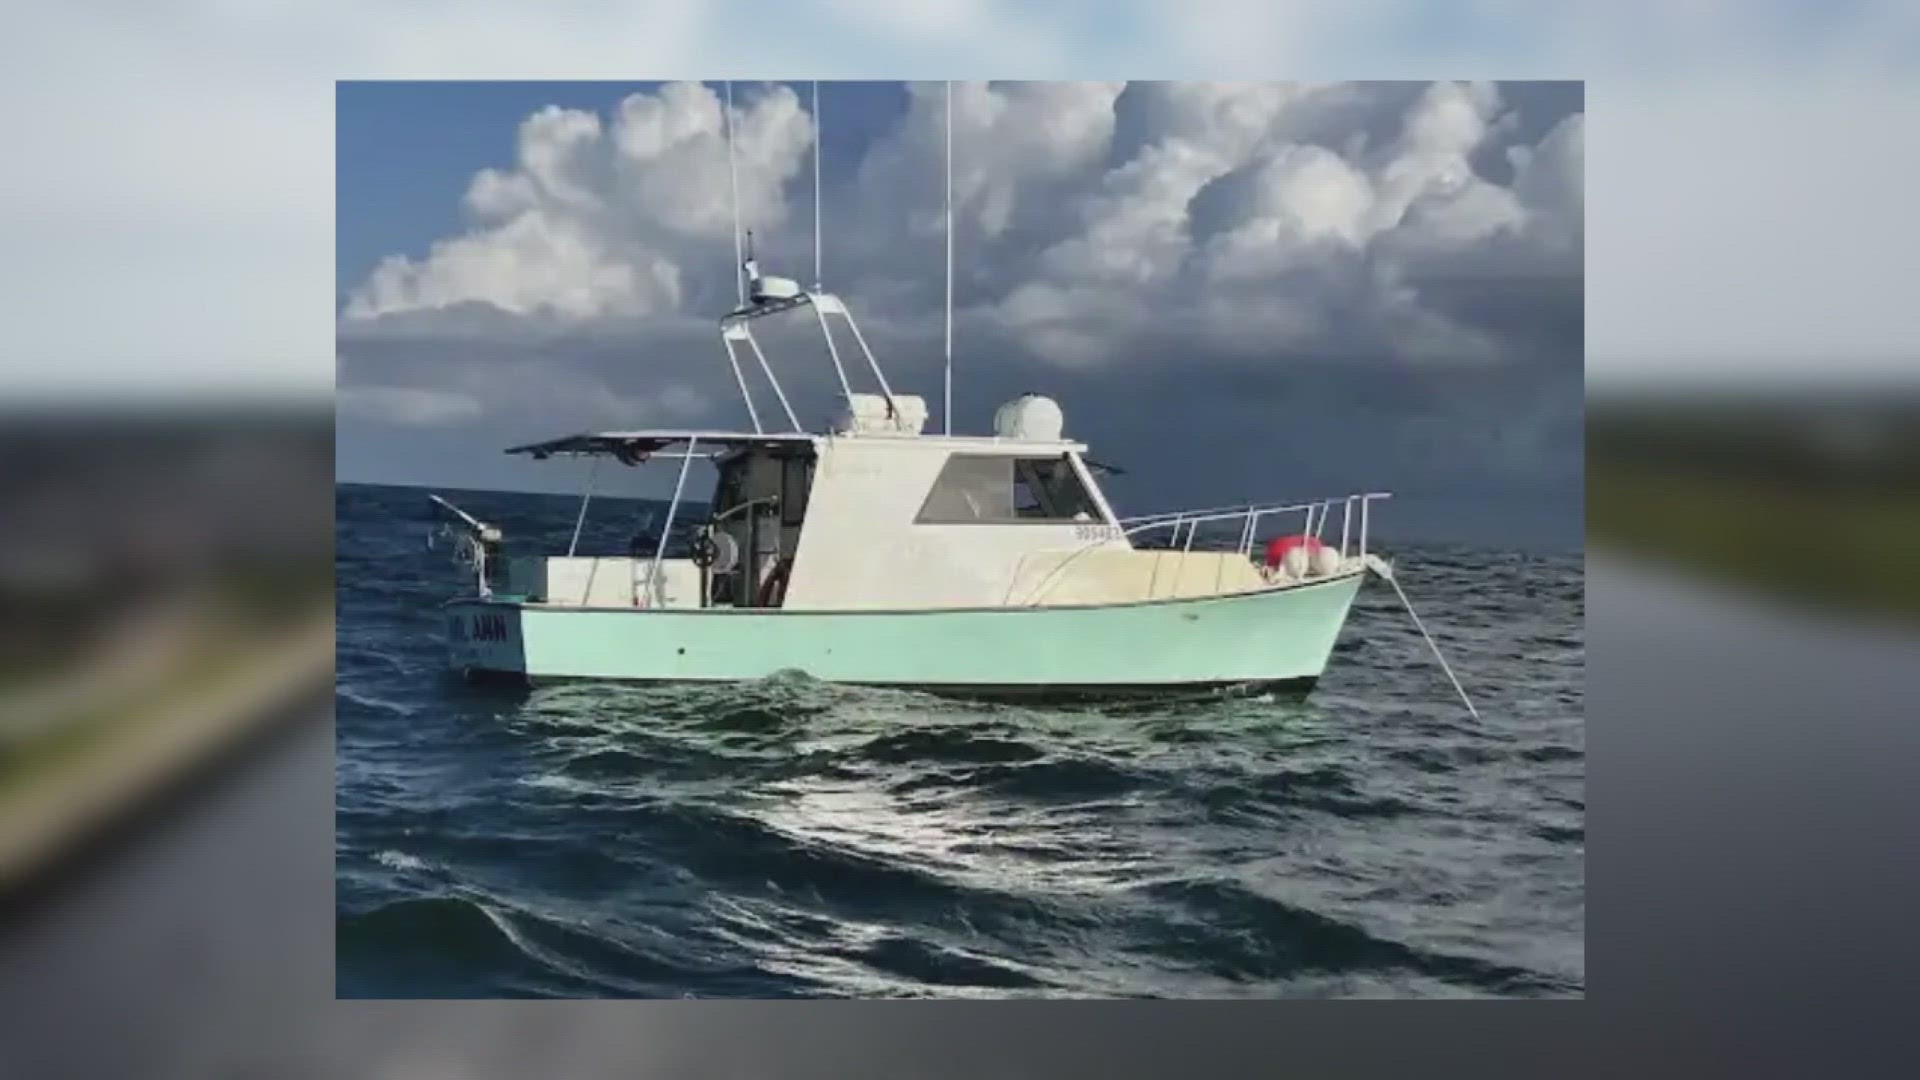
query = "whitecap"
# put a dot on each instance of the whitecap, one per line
(399, 860)
(368, 701)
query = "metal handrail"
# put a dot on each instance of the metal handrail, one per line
(666, 533)
(1317, 511)
(1250, 515)
(1237, 509)
(723, 515)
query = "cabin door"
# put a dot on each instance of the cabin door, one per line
(761, 504)
(796, 484)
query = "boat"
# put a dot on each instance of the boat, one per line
(877, 552)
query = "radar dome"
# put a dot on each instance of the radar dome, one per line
(1029, 416)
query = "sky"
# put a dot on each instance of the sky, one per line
(1239, 290)
(169, 226)
(169, 222)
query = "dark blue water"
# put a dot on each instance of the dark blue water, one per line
(789, 838)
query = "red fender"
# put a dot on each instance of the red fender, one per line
(1278, 547)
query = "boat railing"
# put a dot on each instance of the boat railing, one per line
(1354, 513)
(1253, 520)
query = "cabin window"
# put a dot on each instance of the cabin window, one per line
(990, 488)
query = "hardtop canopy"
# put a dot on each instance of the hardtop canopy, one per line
(633, 445)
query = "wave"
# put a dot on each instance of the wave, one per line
(421, 946)
(346, 692)
(448, 929)
(1273, 793)
(1243, 935)
(738, 852)
(947, 745)
(399, 860)
(923, 963)
(1061, 780)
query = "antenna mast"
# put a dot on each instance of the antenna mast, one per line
(816, 185)
(947, 394)
(733, 186)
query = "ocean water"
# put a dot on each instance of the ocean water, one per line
(787, 838)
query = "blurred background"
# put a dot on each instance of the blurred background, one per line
(1807, 495)
(165, 576)
(165, 509)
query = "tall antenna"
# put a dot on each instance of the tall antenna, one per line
(816, 185)
(733, 185)
(947, 394)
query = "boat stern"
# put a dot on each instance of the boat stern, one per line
(485, 637)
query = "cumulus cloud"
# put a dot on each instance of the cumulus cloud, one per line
(595, 217)
(1277, 221)
(1252, 230)
(1073, 200)
(407, 406)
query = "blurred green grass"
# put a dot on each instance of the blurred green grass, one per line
(1809, 500)
(213, 636)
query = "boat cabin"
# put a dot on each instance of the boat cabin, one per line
(873, 514)
(877, 513)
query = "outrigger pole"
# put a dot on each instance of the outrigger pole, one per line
(739, 278)
(817, 132)
(946, 395)
(733, 187)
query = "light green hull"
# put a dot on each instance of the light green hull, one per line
(1272, 636)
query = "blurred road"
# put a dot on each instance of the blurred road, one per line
(1750, 780)
(198, 946)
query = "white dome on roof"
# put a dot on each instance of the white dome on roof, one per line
(1030, 416)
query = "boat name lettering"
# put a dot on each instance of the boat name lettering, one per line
(481, 626)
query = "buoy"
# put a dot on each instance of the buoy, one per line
(1294, 563)
(1326, 561)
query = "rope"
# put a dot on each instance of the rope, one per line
(1385, 571)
